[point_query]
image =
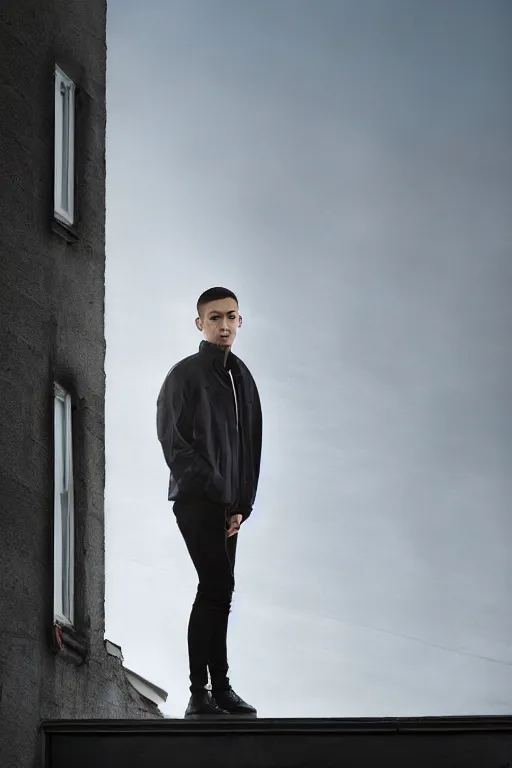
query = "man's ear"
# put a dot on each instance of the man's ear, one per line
(240, 321)
(199, 324)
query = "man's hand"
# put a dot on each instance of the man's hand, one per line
(235, 521)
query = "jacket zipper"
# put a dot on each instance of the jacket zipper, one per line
(234, 396)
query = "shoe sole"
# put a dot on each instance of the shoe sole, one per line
(215, 717)
(200, 717)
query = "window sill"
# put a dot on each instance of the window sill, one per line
(70, 645)
(67, 232)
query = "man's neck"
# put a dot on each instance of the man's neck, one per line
(227, 350)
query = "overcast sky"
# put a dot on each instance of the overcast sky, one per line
(346, 168)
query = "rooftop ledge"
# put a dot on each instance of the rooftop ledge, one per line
(220, 742)
(298, 725)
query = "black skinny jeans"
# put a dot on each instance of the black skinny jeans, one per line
(204, 528)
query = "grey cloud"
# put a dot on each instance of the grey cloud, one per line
(346, 167)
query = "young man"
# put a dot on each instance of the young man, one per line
(209, 424)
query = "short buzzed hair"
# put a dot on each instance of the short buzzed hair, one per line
(214, 294)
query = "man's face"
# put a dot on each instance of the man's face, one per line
(219, 321)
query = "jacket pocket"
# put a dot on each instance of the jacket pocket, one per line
(215, 489)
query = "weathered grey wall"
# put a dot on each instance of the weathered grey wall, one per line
(51, 325)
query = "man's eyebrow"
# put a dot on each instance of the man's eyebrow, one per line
(216, 312)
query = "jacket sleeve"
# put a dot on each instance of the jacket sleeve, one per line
(175, 417)
(256, 440)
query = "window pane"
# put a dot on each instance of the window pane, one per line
(58, 528)
(58, 145)
(63, 513)
(64, 90)
(64, 147)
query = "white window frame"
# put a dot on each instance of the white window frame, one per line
(64, 513)
(64, 171)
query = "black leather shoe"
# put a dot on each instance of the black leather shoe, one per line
(229, 701)
(202, 704)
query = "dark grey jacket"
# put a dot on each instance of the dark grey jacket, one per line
(209, 424)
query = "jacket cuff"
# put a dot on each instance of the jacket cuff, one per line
(245, 512)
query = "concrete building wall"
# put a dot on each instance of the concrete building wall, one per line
(51, 328)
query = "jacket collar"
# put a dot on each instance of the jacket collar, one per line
(221, 355)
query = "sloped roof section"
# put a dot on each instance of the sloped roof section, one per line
(147, 689)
